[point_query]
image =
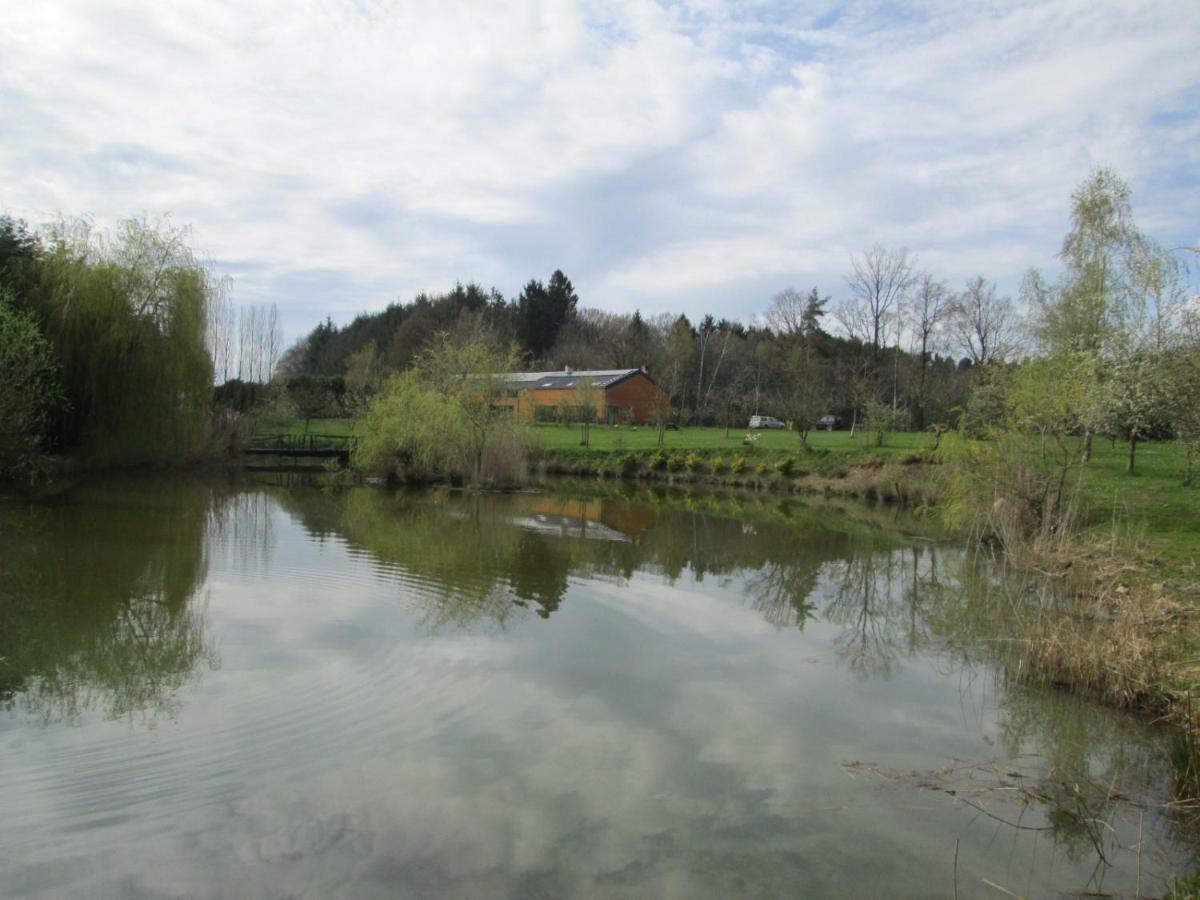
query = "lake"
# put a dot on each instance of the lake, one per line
(265, 688)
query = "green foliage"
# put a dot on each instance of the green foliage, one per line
(239, 396)
(717, 465)
(1185, 889)
(675, 463)
(762, 469)
(786, 467)
(738, 465)
(629, 465)
(276, 409)
(407, 430)
(366, 375)
(692, 462)
(659, 460)
(444, 419)
(882, 419)
(986, 408)
(316, 396)
(126, 315)
(542, 310)
(29, 391)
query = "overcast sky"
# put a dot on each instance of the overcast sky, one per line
(335, 155)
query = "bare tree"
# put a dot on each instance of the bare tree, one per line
(786, 313)
(222, 323)
(726, 331)
(259, 339)
(881, 278)
(930, 306)
(983, 325)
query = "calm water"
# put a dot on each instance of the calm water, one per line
(268, 690)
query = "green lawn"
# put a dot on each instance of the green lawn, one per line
(608, 437)
(1150, 503)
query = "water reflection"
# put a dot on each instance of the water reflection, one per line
(594, 693)
(97, 600)
(479, 555)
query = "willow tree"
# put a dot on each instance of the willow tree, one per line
(127, 314)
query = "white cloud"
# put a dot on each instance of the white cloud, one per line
(344, 154)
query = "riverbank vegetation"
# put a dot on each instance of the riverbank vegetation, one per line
(110, 331)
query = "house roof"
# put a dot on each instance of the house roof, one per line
(564, 380)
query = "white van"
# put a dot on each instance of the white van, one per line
(765, 422)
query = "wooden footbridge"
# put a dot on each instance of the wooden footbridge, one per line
(303, 446)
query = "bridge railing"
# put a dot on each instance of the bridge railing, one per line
(286, 441)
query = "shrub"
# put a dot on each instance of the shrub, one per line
(761, 469)
(717, 465)
(738, 466)
(629, 465)
(786, 466)
(659, 460)
(674, 463)
(692, 462)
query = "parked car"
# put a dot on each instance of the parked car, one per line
(829, 422)
(765, 422)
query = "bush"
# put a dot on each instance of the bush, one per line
(675, 463)
(239, 396)
(761, 469)
(692, 462)
(738, 466)
(659, 460)
(717, 465)
(786, 466)
(629, 465)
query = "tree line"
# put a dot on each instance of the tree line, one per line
(903, 340)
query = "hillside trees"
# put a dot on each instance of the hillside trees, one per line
(542, 310)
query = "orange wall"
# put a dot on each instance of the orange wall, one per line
(637, 392)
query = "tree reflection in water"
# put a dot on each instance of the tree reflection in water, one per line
(97, 598)
(484, 558)
(99, 607)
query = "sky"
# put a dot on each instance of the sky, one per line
(333, 156)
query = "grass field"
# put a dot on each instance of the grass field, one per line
(608, 438)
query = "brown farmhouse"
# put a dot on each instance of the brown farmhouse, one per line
(622, 395)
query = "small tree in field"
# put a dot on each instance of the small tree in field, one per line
(804, 396)
(588, 398)
(883, 419)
